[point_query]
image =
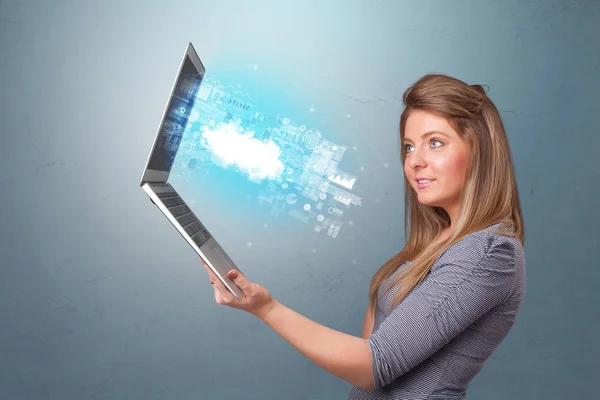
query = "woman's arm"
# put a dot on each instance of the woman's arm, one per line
(346, 356)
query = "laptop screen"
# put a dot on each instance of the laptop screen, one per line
(176, 117)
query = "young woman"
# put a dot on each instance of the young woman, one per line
(440, 307)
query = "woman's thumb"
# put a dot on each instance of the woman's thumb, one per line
(237, 278)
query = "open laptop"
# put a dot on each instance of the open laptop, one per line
(155, 178)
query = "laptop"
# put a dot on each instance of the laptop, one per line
(155, 178)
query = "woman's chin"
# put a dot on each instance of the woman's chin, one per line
(429, 201)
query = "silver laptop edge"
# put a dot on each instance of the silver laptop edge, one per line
(210, 251)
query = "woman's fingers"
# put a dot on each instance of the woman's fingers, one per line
(224, 296)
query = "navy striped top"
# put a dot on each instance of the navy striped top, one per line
(439, 337)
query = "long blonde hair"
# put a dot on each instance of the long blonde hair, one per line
(490, 193)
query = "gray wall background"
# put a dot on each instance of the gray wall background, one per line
(100, 298)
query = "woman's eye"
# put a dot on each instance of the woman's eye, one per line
(407, 148)
(436, 141)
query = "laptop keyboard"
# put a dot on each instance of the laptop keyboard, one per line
(188, 220)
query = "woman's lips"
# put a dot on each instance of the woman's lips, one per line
(423, 183)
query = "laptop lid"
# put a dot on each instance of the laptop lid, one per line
(175, 118)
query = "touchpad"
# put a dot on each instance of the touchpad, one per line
(223, 257)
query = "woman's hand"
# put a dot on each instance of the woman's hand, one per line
(257, 300)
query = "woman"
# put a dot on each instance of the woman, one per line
(440, 307)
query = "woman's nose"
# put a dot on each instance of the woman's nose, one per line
(416, 160)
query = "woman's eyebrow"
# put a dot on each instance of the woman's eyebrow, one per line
(429, 133)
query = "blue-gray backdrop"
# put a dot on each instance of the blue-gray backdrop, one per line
(99, 296)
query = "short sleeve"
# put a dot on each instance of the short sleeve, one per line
(453, 296)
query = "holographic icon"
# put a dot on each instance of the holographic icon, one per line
(343, 179)
(335, 210)
(291, 198)
(312, 138)
(334, 229)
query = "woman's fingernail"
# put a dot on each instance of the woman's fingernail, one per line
(232, 275)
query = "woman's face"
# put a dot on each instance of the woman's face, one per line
(436, 161)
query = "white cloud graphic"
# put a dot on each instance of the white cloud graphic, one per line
(258, 159)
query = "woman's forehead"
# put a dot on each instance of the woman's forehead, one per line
(421, 122)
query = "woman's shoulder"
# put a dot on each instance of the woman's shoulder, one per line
(476, 246)
(492, 236)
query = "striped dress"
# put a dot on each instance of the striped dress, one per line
(439, 337)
